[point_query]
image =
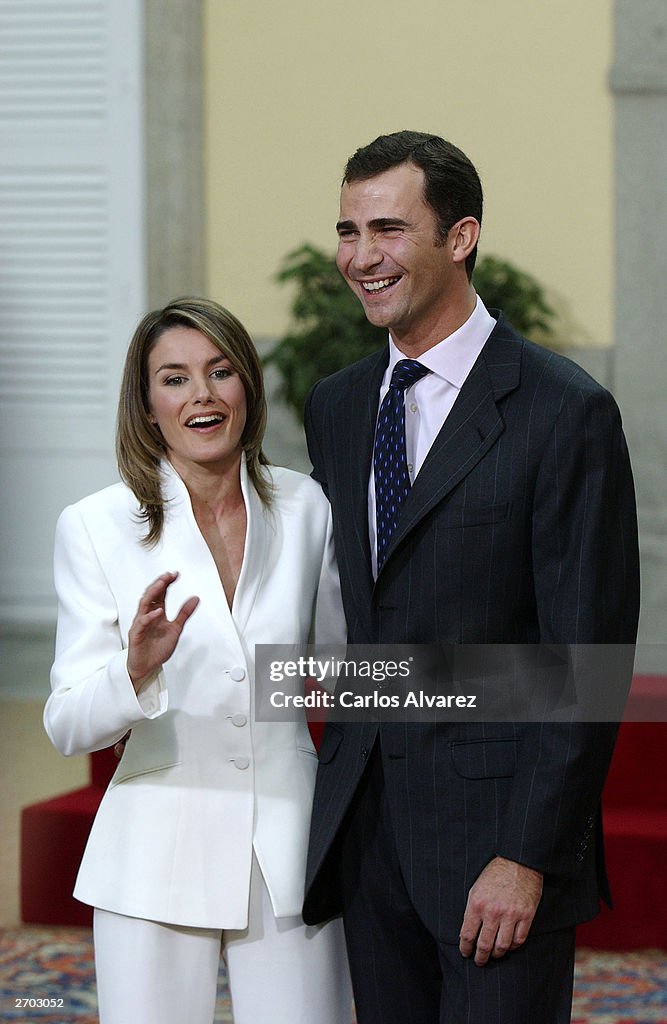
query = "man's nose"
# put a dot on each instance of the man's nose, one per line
(367, 253)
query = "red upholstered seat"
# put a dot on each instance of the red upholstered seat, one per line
(53, 837)
(634, 806)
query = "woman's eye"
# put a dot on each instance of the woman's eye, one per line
(221, 373)
(174, 380)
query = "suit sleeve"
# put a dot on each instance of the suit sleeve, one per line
(92, 703)
(585, 566)
(313, 442)
(329, 626)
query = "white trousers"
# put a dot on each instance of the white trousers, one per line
(280, 971)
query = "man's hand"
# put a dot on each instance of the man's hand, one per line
(500, 910)
(119, 748)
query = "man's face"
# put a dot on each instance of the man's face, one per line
(390, 254)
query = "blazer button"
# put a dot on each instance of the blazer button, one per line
(237, 673)
(241, 763)
(364, 753)
(238, 719)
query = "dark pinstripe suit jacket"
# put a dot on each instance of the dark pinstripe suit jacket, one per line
(520, 528)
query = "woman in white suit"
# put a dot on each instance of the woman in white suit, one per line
(200, 841)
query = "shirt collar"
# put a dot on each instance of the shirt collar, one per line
(453, 357)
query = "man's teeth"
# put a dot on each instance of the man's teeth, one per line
(204, 421)
(376, 286)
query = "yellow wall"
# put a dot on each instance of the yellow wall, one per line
(293, 88)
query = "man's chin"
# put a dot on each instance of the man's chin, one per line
(376, 316)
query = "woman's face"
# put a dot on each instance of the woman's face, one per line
(197, 400)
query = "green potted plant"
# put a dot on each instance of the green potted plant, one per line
(329, 329)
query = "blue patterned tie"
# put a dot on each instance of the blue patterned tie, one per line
(390, 464)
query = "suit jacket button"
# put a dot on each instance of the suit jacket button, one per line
(238, 719)
(364, 753)
(241, 763)
(237, 673)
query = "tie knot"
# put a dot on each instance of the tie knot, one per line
(406, 372)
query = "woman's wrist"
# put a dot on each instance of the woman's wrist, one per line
(141, 680)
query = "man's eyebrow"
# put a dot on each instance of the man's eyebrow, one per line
(375, 225)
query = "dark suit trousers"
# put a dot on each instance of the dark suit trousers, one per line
(401, 973)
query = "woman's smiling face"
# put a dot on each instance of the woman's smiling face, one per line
(196, 399)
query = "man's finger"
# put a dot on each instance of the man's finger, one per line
(469, 932)
(119, 748)
(485, 943)
(521, 932)
(504, 940)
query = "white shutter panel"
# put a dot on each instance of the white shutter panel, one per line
(71, 266)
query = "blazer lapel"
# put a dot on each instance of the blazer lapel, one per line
(187, 548)
(254, 554)
(471, 429)
(185, 537)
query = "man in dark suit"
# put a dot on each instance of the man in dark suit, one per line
(462, 854)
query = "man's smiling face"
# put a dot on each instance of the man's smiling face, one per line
(391, 255)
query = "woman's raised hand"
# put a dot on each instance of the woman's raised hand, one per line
(152, 638)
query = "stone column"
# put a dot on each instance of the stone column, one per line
(639, 84)
(173, 38)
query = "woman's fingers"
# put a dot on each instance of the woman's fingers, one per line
(186, 611)
(151, 622)
(154, 594)
(151, 603)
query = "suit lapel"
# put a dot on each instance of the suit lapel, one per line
(471, 429)
(358, 406)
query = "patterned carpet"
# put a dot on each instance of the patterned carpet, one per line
(46, 976)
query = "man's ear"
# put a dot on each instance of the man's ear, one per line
(462, 238)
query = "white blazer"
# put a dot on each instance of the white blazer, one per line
(201, 783)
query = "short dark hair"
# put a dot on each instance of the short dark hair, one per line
(451, 184)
